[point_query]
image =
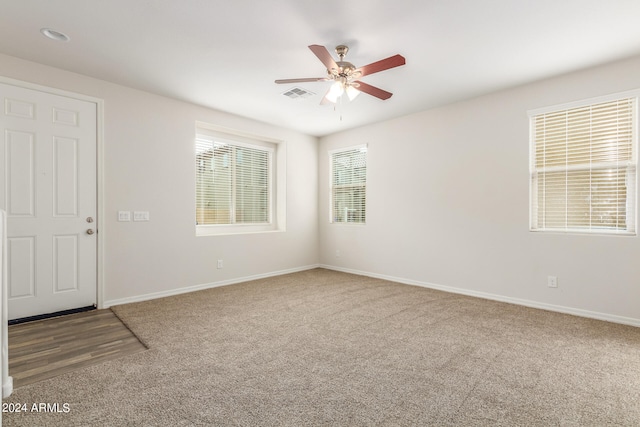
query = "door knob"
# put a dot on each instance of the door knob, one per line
(90, 231)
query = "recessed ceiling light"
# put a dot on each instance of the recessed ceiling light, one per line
(55, 35)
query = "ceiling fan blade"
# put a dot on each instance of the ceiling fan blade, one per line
(383, 64)
(324, 56)
(372, 90)
(311, 79)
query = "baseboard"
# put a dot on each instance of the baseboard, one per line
(178, 291)
(7, 387)
(494, 297)
(485, 295)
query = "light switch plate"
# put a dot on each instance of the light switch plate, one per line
(140, 215)
(124, 216)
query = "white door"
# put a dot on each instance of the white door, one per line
(48, 189)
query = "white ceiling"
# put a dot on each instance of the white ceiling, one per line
(226, 54)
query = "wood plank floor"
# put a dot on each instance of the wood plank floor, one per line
(46, 348)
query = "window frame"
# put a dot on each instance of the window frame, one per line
(331, 153)
(631, 219)
(276, 150)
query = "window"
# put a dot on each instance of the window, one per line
(348, 185)
(583, 167)
(234, 183)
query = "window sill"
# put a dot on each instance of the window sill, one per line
(582, 232)
(226, 230)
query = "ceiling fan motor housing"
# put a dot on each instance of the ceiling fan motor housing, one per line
(346, 70)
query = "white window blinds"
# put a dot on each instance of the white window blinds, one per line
(348, 185)
(232, 183)
(583, 170)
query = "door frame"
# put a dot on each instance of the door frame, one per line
(100, 220)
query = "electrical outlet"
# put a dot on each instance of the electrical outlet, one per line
(552, 281)
(220, 264)
(337, 253)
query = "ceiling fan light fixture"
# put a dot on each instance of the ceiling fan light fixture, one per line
(352, 92)
(335, 92)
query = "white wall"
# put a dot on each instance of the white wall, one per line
(435, 217)
(449, 230)
(149, 166)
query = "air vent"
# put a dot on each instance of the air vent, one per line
(298, 92)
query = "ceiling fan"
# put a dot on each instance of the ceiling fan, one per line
(346, 76)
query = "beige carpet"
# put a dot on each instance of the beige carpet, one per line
(324, 348)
